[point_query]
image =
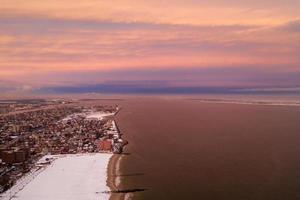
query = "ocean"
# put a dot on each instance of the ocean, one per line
(208, 148)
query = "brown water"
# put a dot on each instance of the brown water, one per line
(183, 149)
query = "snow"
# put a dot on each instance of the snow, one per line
(69, 177)
(21, 183)
(99, 115)
(89, 114)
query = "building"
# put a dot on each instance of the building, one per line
(105, 145)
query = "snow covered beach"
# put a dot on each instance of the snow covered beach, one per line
(68, 177)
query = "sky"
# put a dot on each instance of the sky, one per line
(169, 43)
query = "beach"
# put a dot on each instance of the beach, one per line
(113, 177)
(68, 177)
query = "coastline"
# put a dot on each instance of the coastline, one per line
(112, 181)
(113, 169)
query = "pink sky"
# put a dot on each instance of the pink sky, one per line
(41, 41)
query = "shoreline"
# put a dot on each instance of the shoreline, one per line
(113, 169)
(112, 172)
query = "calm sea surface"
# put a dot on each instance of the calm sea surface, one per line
(187, 149)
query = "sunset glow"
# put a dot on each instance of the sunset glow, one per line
(41, 41)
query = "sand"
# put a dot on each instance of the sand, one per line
(112, 177)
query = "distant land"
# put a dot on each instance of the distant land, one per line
(144, 89)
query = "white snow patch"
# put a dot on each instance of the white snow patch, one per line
(69, 177)
(99, 115)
